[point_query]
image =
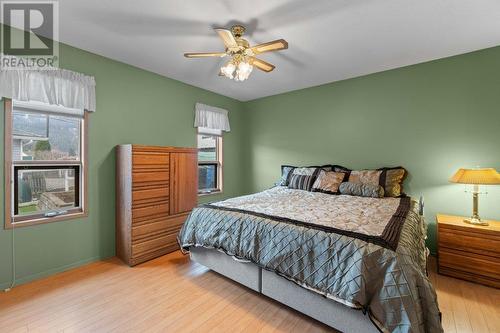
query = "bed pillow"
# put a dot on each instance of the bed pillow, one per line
(286, 172)
(303, 178)
(328, 182)
(371, 177)
(391, 179)
(362, 190)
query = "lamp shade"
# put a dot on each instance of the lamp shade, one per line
(487, 176)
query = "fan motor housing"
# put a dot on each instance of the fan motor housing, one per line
(238, 30)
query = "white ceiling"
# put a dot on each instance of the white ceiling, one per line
(329, 40)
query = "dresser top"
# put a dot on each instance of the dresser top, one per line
(458, 223)
(157, 149)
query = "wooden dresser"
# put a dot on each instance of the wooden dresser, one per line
(156, 188)
(467, 251)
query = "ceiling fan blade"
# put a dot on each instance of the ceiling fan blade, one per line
(227, 38)
(275, 45)
(204, 54)
(261, 64)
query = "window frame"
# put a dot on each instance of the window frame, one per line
(219, 163)
(11, 220)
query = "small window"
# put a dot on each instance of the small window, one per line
(209, 161)
(45, 147)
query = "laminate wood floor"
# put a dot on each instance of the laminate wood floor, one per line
(172, 294)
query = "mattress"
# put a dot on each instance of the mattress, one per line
(332, 245)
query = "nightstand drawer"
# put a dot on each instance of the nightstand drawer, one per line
(471, 263)
(469, 241)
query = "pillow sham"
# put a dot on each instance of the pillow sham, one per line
(371, 177)
(362, 189)
(328, 182)
(391, 179)
(286, 173)
(303, 178)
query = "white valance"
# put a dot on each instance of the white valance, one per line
(57, 87)
(211, 117)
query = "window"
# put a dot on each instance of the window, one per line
(209, 161)
(45, 163)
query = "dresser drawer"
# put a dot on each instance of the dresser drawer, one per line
(140, 248)
(469, 241)
(143, 197)
(152, 254)
(158, 226)
(147, 178)
(470, 262)
(150, 161)
(149, 212)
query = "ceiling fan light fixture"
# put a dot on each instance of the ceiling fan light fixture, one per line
(243, 71)
(228, 70)
(238, 69)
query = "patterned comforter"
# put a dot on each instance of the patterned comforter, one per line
(333, 245)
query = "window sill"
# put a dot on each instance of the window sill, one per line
(45, 220)
(204, 194)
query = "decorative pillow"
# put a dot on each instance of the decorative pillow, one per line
(303, 178)
(286, 172)
(362, 190)
(371, 177)
(391, 179)
(328, 182)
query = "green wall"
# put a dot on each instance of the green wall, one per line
(133, 106)
(431, 118)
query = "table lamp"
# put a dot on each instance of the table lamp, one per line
(476, 177)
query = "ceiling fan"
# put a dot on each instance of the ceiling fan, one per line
(242, 54)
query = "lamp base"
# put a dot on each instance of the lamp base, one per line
(476, 221)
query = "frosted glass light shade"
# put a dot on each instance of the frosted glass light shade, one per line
(243, 71)
(228, 70)
(486, 176)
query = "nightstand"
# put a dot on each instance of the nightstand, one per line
(469, 252)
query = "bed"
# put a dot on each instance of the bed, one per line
(357, 264)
